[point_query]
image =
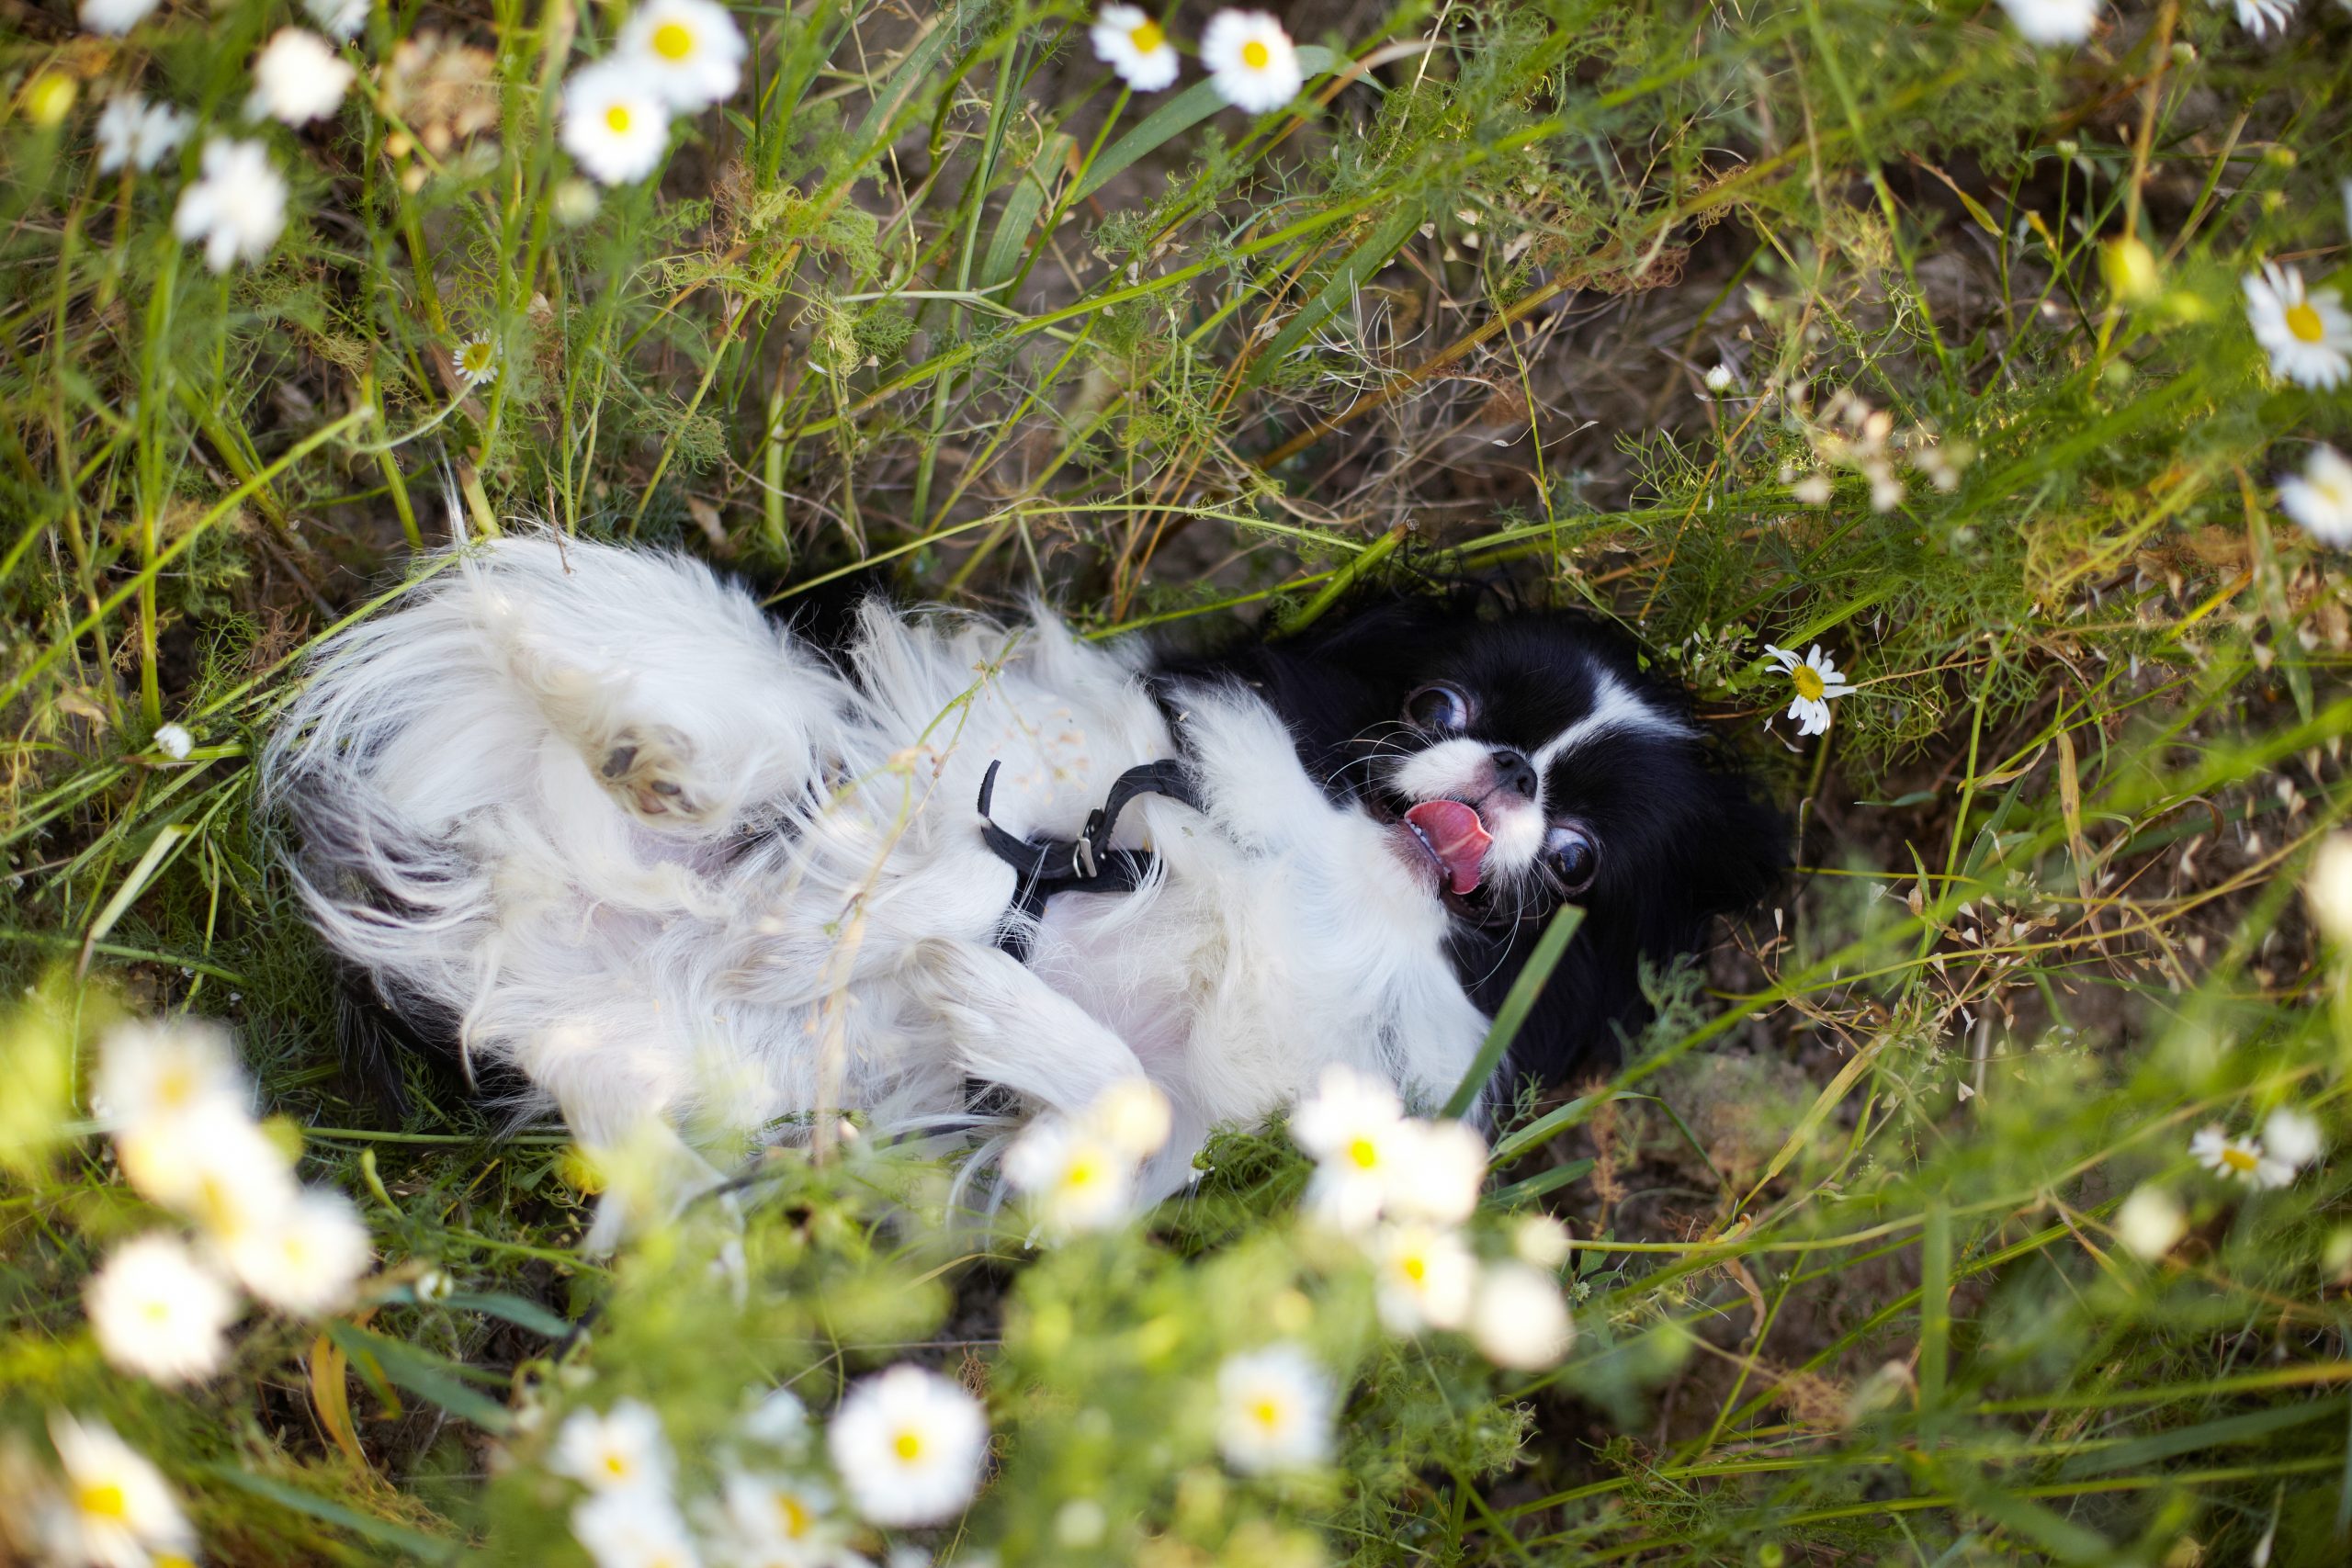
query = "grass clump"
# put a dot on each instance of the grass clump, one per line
(1854, 324)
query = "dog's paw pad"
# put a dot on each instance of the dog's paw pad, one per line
(652, 774)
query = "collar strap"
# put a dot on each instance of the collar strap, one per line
(1087, 863)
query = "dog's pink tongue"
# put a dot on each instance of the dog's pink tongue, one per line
(1457, 837)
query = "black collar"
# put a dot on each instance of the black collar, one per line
(1087, 863)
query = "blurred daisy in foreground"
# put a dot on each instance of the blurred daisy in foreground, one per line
(1437, 1173)
(621, 1451)
(779, 1421)
(1075, 1181)
(907, 1444)
(115, 17)
(2320, 498)
(2306, 332)
(158, 1312)
(1251, 59)
(689, 51)
(1273, 1411)
(1355, 1127)
(1425, 1276)
(133, 133)
(637, 1529)
(776, 1520)
(1518, 1319)
(308, 1259)
(2327, 888)
(298, 77)
(2294, 1136)
(614, 126)
(338, 18)
(151, 1073)
(2260, 16)
(116, 1506)
(1129, 42)
(1816, 683)
(2242, 1158)
(218, 1170)
(475, 360)
(235, 208)
(2150, 1223)
(2052, 21)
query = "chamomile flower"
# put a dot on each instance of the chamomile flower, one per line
(133, 133)
(636, 1527)
(770, 1521)
(2260, 16)
(1251, 59)
(2327, 890)
(2150, 1223)
(149, 1073)
(174, 741)
(236, 206)
(476, 359)
(1355, 1129)
(2052, 21)
(2294, 1136)
(1518, 1319)
(2320, 498)
(1130, 42)
(1132, 1115)
(159, 1313)
(1718, 380)
(308, 1259)
(1542, 1240)
(338, 18)
(1273, 1411)
(2242, 1158)
(908, 1445)
(1075, 1180)
(1438, 1173)
(689, 51)
(218, 1170)
(1425, 1276)
(615, 126)
(114, 17)
(621, 1451)
(779, 1421)
(2306, 332)
(1817, 684)
(298, 77)
(116, 1509)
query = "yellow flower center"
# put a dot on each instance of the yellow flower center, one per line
(174, 1087)
(102, 1500)
(476, 355)
(793, 1515)
(673, 42)
(1417, 1267)
(1365, 1153)
(1808, 681)
(1146, 38)
(1267, 1412)
(2238, 1159)
(1256, 55)
(1081, 1175)
(615, 1464)
(2303, 319)
(616, 120)
(908, 1445)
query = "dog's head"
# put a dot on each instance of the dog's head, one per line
(1522, 763)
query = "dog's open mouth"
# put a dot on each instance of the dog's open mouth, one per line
(1455, 838)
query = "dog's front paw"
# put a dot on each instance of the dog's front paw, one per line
(650, 770)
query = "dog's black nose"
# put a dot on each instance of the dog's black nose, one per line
(1513, 771)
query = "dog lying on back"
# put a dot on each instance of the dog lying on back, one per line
(685, 869)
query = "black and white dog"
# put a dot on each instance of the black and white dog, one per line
(685, 869)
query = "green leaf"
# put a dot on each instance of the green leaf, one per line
(367, 1527)
(426, 1375)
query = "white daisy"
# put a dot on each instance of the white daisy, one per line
(1075, 1181)
(1128, 40)
(236, 207)
(1355, 1128)
(689, 51)
(338, 18)
(779, 1421)
(476, 359)
(635, 1528)
(2052, 21)
(1251, 60)
(305, 1261)
(907, 1444)
(159, 1072)
(135, 134)
(1273, 1411)
(1519, 1320)
(159, 1313)
(622, 1450)
(1718, 380)
(2260, 16)
(2327, 889)
(174, 741)
(2150, 1223)
(1437, 1173)
(218, 1170)
(1818, 685)
(116, 1509)
(2307, 334)
(2320, 498)
(116, 17)
(298, 77)
(1132, 1115)
(2242, 1158)
(1425, 1276)
(2294, 1136)
(771, 1521)
(1542, 1240)
(614, 125)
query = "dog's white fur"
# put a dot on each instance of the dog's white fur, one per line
(676, 867)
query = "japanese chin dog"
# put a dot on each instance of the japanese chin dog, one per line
(684, 868)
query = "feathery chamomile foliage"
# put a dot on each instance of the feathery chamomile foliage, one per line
(1983, 1199)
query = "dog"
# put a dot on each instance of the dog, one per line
(683, 867)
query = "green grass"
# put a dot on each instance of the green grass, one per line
(930, 304)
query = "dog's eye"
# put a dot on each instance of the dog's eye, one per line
(1439, 708)
(1572, 858)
